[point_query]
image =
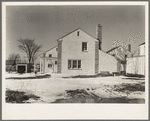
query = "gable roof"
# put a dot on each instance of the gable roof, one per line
(74, 31)
(106, 53)
(10, 62)
(120, 54)
(46, 51)
(112, 49)
(68, 34)
(50, 49)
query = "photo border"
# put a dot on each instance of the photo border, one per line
(84, 107)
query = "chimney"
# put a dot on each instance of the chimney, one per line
(129, 47)
(99, 35)
(43, 54)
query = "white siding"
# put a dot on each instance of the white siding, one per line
(142, 49)
(72, 50)
(52, 69)
(52, 51)
(46, 61)
(136, 65)
(107, 62)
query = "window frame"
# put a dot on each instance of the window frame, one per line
(84, 47)
(78, 64)
(50, 66)
(71, 64)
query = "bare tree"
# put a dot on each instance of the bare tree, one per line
(15, 57)
(30, 48)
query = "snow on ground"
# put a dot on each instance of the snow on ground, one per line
(14, 74)
(50, 89)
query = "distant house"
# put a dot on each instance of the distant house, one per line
(121, 53)
(10, 65)
(10, 62)
(78, 53)
(136, 64)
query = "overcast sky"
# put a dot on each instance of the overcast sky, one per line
(45, 24)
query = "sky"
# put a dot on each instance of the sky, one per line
(121, 25)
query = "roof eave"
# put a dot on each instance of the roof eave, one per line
(142, 44)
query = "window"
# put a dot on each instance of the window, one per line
(79, 63)
(78, 33)
(50, 55)
(84, 46)
(55, 62)
(56, 49)
(49, 65)
(69, 64)
(74, 64)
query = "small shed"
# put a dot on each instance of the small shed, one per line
(23, 68)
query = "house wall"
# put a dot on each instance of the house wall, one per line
(52, 51)
(72, 50)
(136, 65)
(46, 61)
(107, 62)
(52, 69)
(142, 49)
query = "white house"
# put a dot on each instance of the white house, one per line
(142, 49)
(121, 53)
(78, 53)
(136, 64)
(48, 61)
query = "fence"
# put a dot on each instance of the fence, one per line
(136, 65)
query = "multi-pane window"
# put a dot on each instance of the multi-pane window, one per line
(50, 55)
(74, 64)
(49, 65)
(79, 63)
(84, 46)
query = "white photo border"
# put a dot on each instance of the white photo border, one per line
(74, 111)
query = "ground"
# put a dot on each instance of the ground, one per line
(55, 89)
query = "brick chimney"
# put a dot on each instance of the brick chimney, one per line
(99, 35)
(129, 47)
